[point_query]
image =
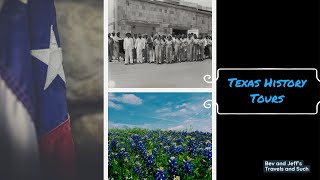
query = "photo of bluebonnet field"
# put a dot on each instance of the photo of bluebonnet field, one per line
(155, 154)
(170, 145)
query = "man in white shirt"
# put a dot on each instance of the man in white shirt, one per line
(128, 46)
(139, 45)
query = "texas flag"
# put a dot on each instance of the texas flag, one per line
(36, 140)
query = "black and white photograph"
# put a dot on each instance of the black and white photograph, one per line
(159, 43)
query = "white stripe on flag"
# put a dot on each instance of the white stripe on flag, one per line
(17, 128)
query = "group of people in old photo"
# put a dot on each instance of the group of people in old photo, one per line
(159, 49)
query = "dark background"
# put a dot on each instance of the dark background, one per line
(267, 34)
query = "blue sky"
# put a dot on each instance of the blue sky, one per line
(175, 111)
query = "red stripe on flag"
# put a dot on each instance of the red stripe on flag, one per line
(57, 153)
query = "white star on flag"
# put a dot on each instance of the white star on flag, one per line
(53, 58)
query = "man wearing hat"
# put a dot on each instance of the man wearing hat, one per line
(128, 46)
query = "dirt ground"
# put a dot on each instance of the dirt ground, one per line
(177, 75)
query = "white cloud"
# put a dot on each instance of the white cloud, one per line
(173, 114)
(182, 105)
(195, 108)
(191, 121)
(123, 125)
(192, 107)
(114, 105)
(131, 99)
(111, 96)
(125, 98)
(169, 103)
(180, 127)
(162, 110)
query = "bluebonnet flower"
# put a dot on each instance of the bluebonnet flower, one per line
(142, 148)
(116, 155)
(183, 133)
(123, 154)
(167, 149)
(207, 153)
(176, 150)
(109, 160)
(161, 137)
(136, 138)
(153, 139)
(149, 160)
(137, 170)
(113, 144)
(192, 147)
(133, 146)
(192, 144)
(146, 137)
(156, 150)
(160, 175)
(178, 140)
(173, 166)
(187, 167)
(167, 142)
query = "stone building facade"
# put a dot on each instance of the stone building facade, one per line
(161, 16)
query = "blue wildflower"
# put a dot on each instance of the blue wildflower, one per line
(160, 175)
(192, 147)
(187, 167)
(161, 137)
(173, 166)
(207, 153)
(167, 149)
(123, 154)
(109, 160)
(149, 160)
(137, 169)
(113, 144)
(142, 148)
